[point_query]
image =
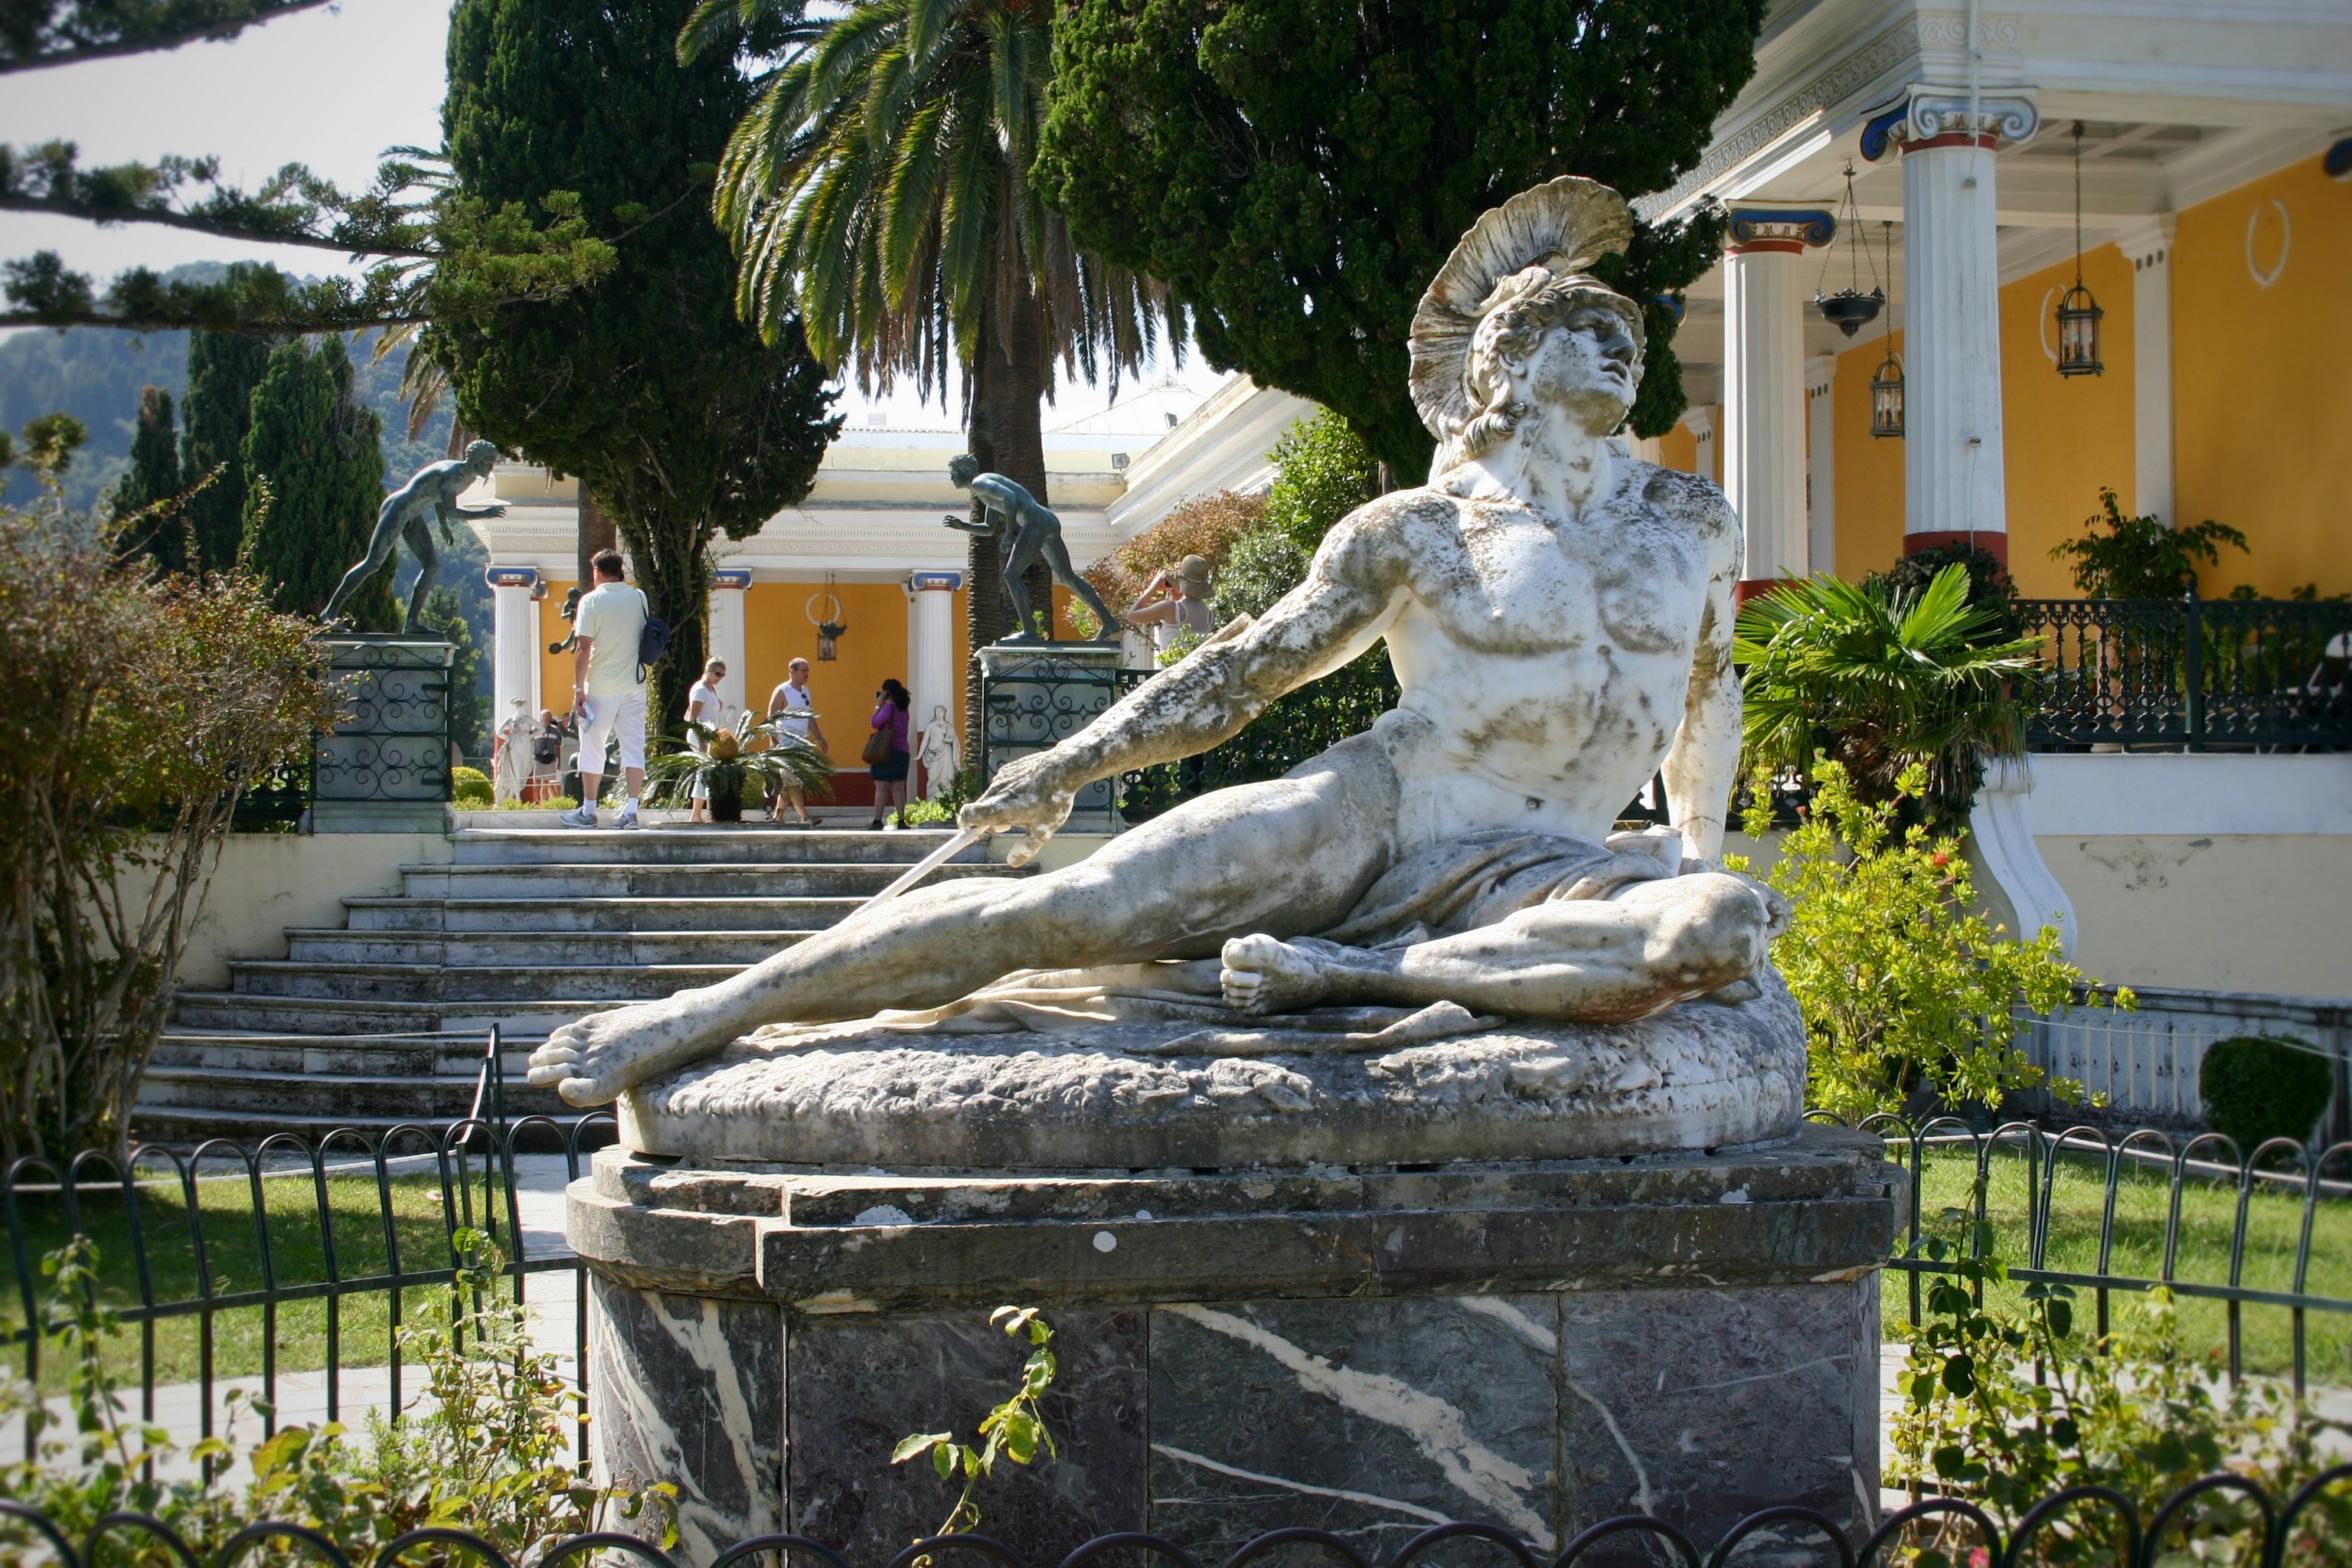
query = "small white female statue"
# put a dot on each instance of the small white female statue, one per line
(942, 759)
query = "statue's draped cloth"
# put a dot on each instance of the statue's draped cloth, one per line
(1462, 884)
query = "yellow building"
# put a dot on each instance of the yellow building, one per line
(2215, 209)
(865, 550)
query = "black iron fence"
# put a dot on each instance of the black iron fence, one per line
(2127, 1212)
(2219, 1519)
(2193, 674)
(229, 1264)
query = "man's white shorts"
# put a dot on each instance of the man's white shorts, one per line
(605, 717)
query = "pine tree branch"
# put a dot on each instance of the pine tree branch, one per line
(37, 34)
(294, 206)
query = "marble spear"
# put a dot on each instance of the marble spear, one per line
(965, 837)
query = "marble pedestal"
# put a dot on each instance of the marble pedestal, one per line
(1539, 1345)
(1039, 695)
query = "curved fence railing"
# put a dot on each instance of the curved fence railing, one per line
(197, 1242)
(226, 1262)
(2172, 1176)
(2221, 1518)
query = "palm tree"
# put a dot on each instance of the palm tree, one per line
(1879, 679)
(879, 189)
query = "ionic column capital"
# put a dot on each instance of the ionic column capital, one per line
(1765, 230)
(1932, 115)
(736, 577)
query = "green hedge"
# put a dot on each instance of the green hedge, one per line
(2257, 1089)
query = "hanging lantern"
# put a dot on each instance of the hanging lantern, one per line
(827, 621)
(1887, 398)
(2078, 312)
(1850, 310)
(2078, 334)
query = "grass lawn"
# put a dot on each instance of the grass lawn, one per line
(2208, 1218)
(234, 1241)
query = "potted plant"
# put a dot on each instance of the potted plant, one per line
(726, 762)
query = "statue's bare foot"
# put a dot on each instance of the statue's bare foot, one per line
(1263, 975)
(593, 1059)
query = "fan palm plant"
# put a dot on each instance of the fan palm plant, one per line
(1879, 679)
(726, 760)
(879, 189)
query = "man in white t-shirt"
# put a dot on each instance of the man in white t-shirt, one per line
(795, 710)
(608, 689)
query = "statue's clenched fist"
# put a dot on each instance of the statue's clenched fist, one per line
(1031, 796)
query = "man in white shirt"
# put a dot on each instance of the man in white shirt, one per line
(608, 689)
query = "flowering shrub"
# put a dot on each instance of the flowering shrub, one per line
(1906, 990)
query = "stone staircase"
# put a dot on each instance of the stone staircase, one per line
(385, 1019)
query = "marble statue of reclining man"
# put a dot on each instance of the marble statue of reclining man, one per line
(1560, 619)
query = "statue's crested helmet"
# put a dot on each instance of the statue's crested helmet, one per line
(480, 455)
(1539, 242)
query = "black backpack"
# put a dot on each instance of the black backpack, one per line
(653, 643)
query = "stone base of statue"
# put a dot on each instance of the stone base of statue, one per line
(1034, 695)
(385, 768)
(1362, 1275)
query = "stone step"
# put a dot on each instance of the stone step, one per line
(681, 846)
(526, 1023)
(341, 1097)
(420, 1055)
(595, 914)
(570, 879)
(459, 983)
(539, 950)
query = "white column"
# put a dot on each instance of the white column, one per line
(727, 634)
(514, 638)
(1952, 455)
(1821, 463)
(930, 652)
(1764, 384)
(2148, 244)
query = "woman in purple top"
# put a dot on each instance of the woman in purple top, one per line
(891, 705)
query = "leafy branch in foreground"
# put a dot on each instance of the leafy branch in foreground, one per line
(36, 34)
(1014, 1430)
(442, 254)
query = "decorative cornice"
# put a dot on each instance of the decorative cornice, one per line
(1822, 92)
(1780, 228)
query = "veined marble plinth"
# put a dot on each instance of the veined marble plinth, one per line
(1540, 1344)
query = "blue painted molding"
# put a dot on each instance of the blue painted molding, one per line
(510, 576)
(1878, 130)
(1812, 225)
(732, 577)
(2337, 159)
(919, 581)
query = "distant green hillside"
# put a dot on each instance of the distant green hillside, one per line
(95, 375)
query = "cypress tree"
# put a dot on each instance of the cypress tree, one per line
(316, 450)
(680, 419)
(223, 370)
(469, 697)
(154, 476)
(1297, 173)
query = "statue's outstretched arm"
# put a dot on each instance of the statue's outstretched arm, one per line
(1703, 764)
(1351, 593)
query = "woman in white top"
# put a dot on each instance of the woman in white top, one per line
(705, 706)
